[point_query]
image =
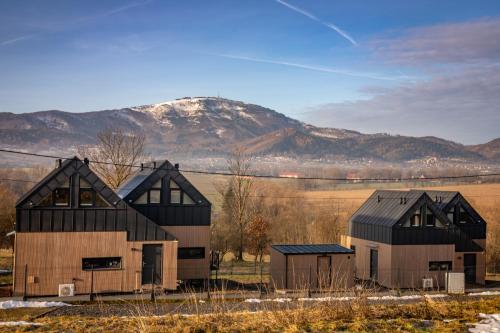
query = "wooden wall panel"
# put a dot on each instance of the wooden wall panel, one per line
(277, 269)
(56, 257)
(362, 259)
(192, 236)
(302, 271)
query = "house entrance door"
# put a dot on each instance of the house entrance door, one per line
(152, 264)
(470, 267)
(373, 264)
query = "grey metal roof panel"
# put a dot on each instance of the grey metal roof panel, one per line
(142, 180)
(310, 248)
(440, 198)
(137, 178)
(385, 207)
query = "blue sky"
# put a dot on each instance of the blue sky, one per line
(377, 66)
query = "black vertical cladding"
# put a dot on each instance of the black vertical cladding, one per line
(118, 216)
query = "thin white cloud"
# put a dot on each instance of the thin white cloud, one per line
(15, 40)
(315, 18)
(373, 76)
(80, 20)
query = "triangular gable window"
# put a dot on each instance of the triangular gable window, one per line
(59, 197)
(88, 197)
(178, 196)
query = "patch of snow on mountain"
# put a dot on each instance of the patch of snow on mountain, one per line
(219, 132)
(129, 117)
(325, 135)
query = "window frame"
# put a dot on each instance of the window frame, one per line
(54, 204)
(93, 196)
(92, 268)
(414, 214)
(439, 263)
(184, 256)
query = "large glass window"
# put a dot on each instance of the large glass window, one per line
(102, 263)
(191, 253)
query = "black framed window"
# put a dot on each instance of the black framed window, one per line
(464, 216)
(101, 263)
(440, 266)
(416, 218)
(191, 253)
(178, 196)
(430, 220)
(152, 196)
(61, 196)
(88, 197)
(451, 215)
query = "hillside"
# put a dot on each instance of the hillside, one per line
(210, 126)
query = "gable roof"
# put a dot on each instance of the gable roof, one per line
(310, 248)
(142, 181)
(384, 207)
(138, 226)
(59, 175)
(441, 198)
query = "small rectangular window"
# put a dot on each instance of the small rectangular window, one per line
(154, 196)
(61, 197)
(86, 197)
(175, 196)
(440, 266)
(191, 253)
(101, 263)
(353, 247)
(430, 220)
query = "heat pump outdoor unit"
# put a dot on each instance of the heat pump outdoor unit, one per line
(66, 290)
(427, 283)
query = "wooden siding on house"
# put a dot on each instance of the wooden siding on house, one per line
(192, 236)
(404, 266)
(53, 258)
(300, 271)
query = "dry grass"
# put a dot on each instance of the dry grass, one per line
(355, 316)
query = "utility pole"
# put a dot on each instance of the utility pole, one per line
(92, 283)
(153, 296)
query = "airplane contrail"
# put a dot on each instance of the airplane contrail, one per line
(373, 76)
(80, 20)
(315, 18)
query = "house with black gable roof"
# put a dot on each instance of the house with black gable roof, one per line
(72, 229)
(403, 237)
(159, 191)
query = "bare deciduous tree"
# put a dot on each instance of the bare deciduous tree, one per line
(7, 214)
(118, 150)
(237, 203)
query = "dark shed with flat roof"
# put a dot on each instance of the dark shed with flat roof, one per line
(311, 266)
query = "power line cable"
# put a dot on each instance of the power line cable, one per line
(358, 180)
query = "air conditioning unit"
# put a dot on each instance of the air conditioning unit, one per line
(427, 283)
(66, 290)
